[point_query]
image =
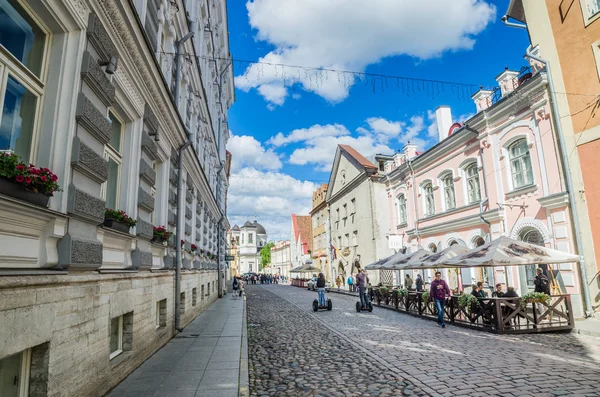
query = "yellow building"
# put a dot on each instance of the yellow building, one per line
(319, 230)
(566, 35)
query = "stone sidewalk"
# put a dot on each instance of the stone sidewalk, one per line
(209, 358)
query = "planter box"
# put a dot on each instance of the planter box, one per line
(119, 226)
(158, 240)
(19, 192)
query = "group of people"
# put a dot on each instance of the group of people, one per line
(265, 278)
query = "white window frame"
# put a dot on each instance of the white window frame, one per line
(9, 65)
(24, 372)
(467, 179)
(355, 238)
(157, 322)
(116, 155)
(426, 210)
(119, 338)
(507, 147)
(447, 184)
(402, 215)
(587, 11)
(353, 206)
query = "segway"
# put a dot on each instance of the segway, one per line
(317, 307)
(368, 307)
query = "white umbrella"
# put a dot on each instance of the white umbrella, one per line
(401, 262)
(435, 261)
(377, 265)
(505, 251)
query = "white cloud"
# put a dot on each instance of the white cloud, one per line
(270, 196)
(246, 151)
(350, 35)
(304, 134)
(321, 150)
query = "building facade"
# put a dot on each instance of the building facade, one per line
(567, 36)
(281, 262)
(497, 175)
(320, 231)
(359, 226)
(233, 237)
(250, 238)
(93, 93)
(301, 241)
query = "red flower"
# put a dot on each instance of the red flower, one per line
(44, 179)
(20, 178)
(20, 167)
(28, 180)
(54, 178)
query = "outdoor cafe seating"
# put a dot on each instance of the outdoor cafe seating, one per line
(498, 315)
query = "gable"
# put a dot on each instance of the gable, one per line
(344, 171)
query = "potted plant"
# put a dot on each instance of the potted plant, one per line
(194, 247)
(467, 301)
(26, 182)
(118, 220)
(160, 235)
(534, 297)
(425, 296)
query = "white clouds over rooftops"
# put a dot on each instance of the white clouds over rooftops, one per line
(248, 152)
(350, 35)
(304, 134)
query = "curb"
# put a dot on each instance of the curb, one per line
(244, 380)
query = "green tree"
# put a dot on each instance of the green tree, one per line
(265, 254)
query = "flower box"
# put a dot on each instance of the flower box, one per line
(116, 225)
(158, 240)
(20, 192)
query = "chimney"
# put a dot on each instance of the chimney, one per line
(443, 116)
(508, 81)
(482, 99)
(410, 151)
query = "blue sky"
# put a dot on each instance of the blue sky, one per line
(458, 41)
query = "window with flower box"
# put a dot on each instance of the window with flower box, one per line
(23, 49)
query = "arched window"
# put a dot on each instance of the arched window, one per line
(473, 189)
(401, 210)
(449, 195)
(531, 236)
(452, 242)
(432, 248)
(429, 199)
(520, 164)
(478, 242)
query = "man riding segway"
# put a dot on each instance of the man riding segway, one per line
(362, 282)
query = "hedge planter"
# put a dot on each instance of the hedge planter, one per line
(118, 226)
(21, 193)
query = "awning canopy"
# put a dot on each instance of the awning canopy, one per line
(377, 265)
(435, 261)
(297, 269)
(400, 263)
(505, 251)
(305, 269)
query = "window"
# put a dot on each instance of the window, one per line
(250, 238)
(345, 211)
(432, 248)
(112, 152)
(337, 214)
(14, 374)
(449, 196)
(593, 7)
(22, 51)
(429, 199)
(116, 336)
(242, 238)
(314, 222)
(346, 240)
(194, 296)
(473, 189)
(202, 292)
(340, 242)
(401, 210)
(182, 302)
(354, 238)
(352, 206)
(531, 236)
(520, 164)
(161, 313)
(452, 242)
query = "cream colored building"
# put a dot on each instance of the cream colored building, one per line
(320, 231)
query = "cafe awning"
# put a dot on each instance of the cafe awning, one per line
(505, 251)
(377, 265)
(297, 269)
(400, 263)
(436, 261)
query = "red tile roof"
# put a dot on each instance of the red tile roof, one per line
(302, 230)
(358, 157)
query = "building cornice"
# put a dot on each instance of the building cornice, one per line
(471, 220)
(553, 201)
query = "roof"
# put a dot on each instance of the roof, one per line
(516, 11)
(358, 157)
(259, 228)
(248, 224)
(235, 227)
(302, 231)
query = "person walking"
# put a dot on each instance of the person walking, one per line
(321, 289)
(362, 281)
(338, 281)
(439, 291)
(350, 283)
(542, 285)
(419, 283)
(235, 286)
(408, 282)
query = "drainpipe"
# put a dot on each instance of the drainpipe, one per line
(179, 46)
(412, 171)
(489, 225)
(219, 283)
(330, 256)
(565, 158)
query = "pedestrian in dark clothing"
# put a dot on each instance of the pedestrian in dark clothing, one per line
(477, 290)
(439, 291)
(498, 293)
(235, 286)
(542, 284)
(362, 281)
(321, 289)
(419, 283)
(511, 293)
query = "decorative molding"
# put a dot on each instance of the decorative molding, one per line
(85, 160)
(95, 77)
(150, 120)
(90, 118)
(172, 218)
(141, 259)
(144, 229)
(188, 212)
(130, 90)
(85, 206)
(78, 9)
(149, 146)
(79, 253)
(188, 230)
(99, 38)
(557, 200)
(145, 200)
(147, 173)
(172, 197)
(173, 177)
(530, 223)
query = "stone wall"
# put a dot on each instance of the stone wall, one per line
(71, 314)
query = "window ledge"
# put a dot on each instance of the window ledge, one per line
(449, 212)
(402, 225)
(114, 271)
(31, 272)
(521, 190)
(109, 230)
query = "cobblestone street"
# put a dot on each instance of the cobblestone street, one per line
(295, 352)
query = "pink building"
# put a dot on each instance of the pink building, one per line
(499, 174)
